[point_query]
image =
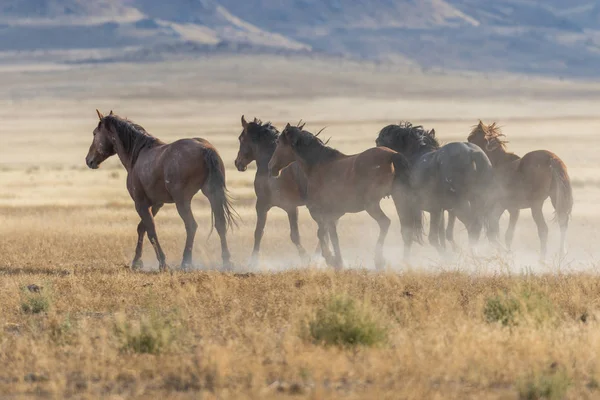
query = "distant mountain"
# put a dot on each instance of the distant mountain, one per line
(555, 37)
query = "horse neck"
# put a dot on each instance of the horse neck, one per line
(263, 156)
(420, 153)
(499, 156)
(318, 154)
(127, 153)
(123, 155)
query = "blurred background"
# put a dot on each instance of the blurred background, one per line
(551, 37)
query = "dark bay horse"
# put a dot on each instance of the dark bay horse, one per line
(452, 177)
(526, 182)
(287, 191)
(159, 173)
(340, 184)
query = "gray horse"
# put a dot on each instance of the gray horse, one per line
(454, 177)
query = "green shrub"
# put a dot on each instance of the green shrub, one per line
(503, 309)
(538, 306)
(550, 386)
(344, 322)
(149, 334)
(35, 302)
(527, 305)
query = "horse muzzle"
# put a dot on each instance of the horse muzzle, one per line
(92, 164)
(240, 166)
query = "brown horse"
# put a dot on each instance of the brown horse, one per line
(340, 184)
(525, 182)
(288, 191)
(159, 173)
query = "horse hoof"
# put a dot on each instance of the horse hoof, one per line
(137, 265)
(227, 266)
(252, 262)
(379, 264)
(163, 268)
(185, 266)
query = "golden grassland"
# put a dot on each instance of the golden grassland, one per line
(108, 332)
(76, 323)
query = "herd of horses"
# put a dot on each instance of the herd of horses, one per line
(475, 181)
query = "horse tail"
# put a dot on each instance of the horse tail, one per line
(561, 192)
(407, 207)
(215, 189)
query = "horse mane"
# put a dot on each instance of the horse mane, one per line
(311, 148)
(261, 133)
(416, 134)
(133, 137)
(492, 134)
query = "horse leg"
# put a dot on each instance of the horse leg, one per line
(141, 230)
(512, 224)
(338, 263)
(148, 221)
(261, 221)
(221, 227)
(538, 217)
(441, 228)
(563, 222)
(322, 235)
(469, 217)
(450, 229)
(407, 213)
(434, 231)
(184, 208)
(384, 222)
(494, 227)
(295, 233)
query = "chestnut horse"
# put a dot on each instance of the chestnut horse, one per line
(525, 182)
(453, 177)
(288, 191)
(340, 184)
(159, 173)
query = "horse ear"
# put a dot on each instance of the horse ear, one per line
(287, 126)
(255, 120)
(244, 123)
(302, 126)
(110, 113)
(432, 133)
(99, 114)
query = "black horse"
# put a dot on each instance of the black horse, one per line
(453, 177)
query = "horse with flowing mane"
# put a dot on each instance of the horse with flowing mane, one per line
(526, 182)
(340, 184)
(159, 173)
(287, 191)
(453, 177)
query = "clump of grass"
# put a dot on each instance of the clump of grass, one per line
(502, 309)
(60, 331)
(527, 305)
(550, 386)
(150, 334)
(343, 321)
(538, 306)
(35, 302)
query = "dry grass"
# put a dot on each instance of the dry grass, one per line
(113, 332)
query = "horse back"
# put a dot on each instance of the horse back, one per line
(350, 182)
(536, 166)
